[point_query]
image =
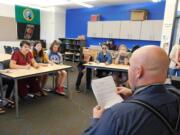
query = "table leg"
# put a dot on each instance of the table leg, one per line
(16, 97)
(90, 78)
(67, 83)
(54, 81)
(1, 89)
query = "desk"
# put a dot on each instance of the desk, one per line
(4, 57)
(17, 74)
(111, 67)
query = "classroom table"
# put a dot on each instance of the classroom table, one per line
(17, 74)
(4, 57)
(111, 67)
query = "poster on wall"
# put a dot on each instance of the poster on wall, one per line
(28, 31)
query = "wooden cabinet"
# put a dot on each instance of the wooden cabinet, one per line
(135, 30)
(130, 30)
(95, 29)
(151, 30)
(111, 29)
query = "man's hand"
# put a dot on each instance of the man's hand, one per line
(124, 92)
(97, 111)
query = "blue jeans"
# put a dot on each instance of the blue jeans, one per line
(173, 72)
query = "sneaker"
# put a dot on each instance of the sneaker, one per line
(38, 94)
(44, 93)
(30, 95)
(77, 89)
(47, 89)
(2, 111)
(60, 91)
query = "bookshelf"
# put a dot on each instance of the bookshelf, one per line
(71, 48)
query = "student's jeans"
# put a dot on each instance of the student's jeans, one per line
(173, 72)
(10, 86)
(80, 75)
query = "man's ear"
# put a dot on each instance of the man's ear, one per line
(139, 72)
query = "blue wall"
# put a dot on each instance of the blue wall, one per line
(76, 20)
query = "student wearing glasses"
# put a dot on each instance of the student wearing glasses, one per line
(103, 57)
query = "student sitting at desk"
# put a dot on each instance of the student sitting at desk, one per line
(121, 58)
(86, 57)
(56, 57)
(103, 57)
(41, 58)
(10, 86)
(23, 59)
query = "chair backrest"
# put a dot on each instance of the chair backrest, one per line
(8, 49)
(15, 49)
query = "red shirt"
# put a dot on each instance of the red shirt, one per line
(21, 59)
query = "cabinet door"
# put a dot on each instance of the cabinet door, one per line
(124, 31)
(111, 29)
(134, 30)
(94, 29)
(146, 31)
(151, 30)
(157, 29)
(130, 29)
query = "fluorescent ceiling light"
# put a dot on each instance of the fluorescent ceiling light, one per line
(83, 4)
(156, 0)
(40, 3)
(44, 3)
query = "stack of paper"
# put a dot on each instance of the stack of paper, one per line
(105, 92)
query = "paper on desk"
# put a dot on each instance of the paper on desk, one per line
(104, 91)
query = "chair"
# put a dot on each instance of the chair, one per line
(15, 49)
(8, 49)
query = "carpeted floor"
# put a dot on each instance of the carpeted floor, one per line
(52, 115)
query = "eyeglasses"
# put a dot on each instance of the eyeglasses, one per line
(104, 48)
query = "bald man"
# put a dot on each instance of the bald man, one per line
(147, 74)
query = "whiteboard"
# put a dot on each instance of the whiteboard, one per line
(8, 29)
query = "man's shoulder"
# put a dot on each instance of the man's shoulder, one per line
(124, 108)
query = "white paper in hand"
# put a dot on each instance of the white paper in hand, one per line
(104, 91)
